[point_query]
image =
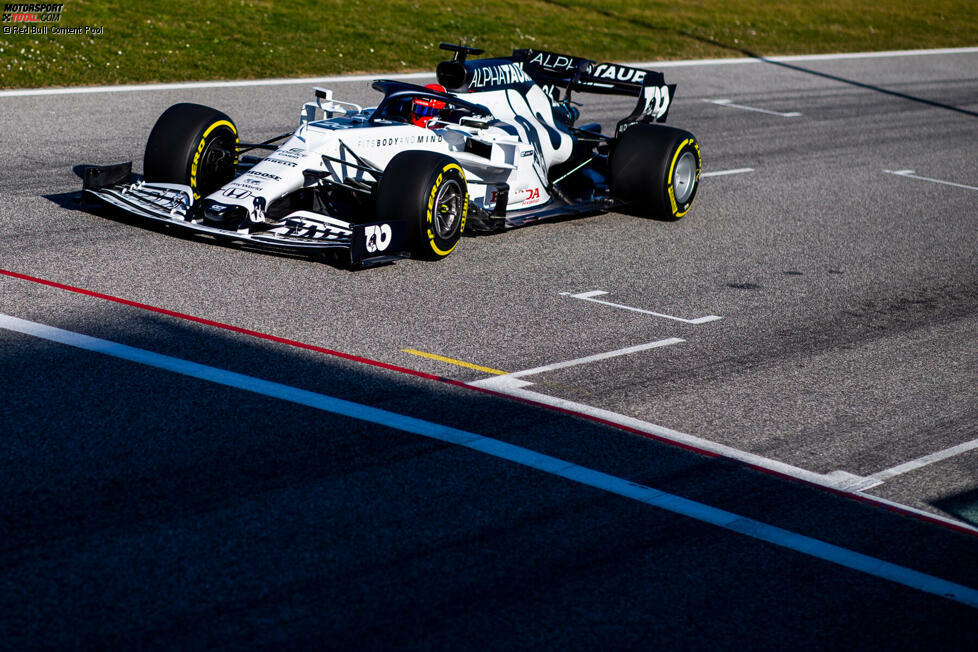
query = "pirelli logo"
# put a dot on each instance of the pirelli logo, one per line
(32, 12)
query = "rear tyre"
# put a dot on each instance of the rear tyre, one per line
(428, 190)
(657, 170)
(193, 145)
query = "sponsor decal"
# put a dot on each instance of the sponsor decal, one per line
(217, 209)
(613, 72)
(242, 182)
(502, 75)
(531, 195)
(419, 139)
(263, 175)
(236, 193)
(528, 152)
(280, 162)
(553, 61)
(292, 152)
(377, 237)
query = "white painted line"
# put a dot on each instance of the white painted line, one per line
(501, 450)
(792, 114)
(920, 462)
(135, 88)
(723, 173)
(910, 174)
(589, 296)
(592, 358)
(516, 388)
(859, 484)
(836, 480)
(181, 86)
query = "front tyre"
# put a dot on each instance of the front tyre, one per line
(194, 145)
(656, 169)
(428, 190)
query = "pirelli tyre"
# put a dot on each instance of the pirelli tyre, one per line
(193, 145)
(657, 170)
(428, 190)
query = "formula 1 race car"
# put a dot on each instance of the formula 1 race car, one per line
(491, 146)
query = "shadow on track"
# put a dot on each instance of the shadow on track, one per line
(963, 505)
(140, 507)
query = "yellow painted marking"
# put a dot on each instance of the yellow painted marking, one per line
(460, 363)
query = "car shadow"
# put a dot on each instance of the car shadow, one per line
(963, 506)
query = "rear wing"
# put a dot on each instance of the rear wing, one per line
(552, 71)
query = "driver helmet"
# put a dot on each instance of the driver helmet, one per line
(424, 109)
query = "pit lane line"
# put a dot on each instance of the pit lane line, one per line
(838, 482)
(523, 456)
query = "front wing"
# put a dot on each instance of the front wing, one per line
(173, 204)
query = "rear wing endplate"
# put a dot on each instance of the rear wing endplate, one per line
(550, 69)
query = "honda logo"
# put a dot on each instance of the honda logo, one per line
(236, 193)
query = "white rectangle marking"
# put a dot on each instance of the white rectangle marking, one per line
(920, 462)
(516, 454)
(589, 296)
(591, 358)
(723, 173)
(792, 114)
(910, 174)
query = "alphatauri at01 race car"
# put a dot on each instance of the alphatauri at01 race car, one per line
(492, 146)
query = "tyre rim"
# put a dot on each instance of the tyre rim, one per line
(217, 164)
(684, 177)
(448, 207)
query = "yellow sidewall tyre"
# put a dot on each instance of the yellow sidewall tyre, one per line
(428, 191)
(656, 169)
(193, 145)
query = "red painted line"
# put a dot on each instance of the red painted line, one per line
(227, 327)
(863, 498)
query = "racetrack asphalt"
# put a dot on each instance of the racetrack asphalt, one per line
(145, 507)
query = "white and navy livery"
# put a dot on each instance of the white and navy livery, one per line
(498, 148)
